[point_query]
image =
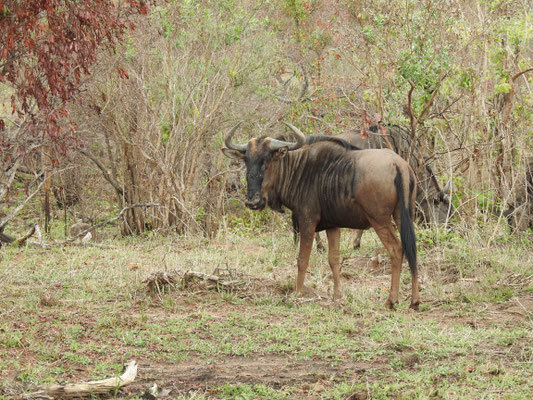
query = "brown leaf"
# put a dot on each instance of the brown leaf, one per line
(122, 73)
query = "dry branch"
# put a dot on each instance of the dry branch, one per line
(102, 168)
(120, 214)
(11, 215)
(5, 185)
(86, 389)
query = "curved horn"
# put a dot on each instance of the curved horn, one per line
(296, 133)
(446, 188)
(443, 195)
(229, 143)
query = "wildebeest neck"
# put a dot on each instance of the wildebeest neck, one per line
(306, 176)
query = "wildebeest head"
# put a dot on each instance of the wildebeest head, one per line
(261, 157)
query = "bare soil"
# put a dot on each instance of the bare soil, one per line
(275, 371)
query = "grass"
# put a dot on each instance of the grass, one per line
(72, 314)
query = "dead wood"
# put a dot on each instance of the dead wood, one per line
(86, 389)
(158, 281)
(22, 240)
(221, 279)
(5, 239)
(101, 166)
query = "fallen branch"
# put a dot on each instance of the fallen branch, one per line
(157, 282)
(22, 240)
(5, 239)
(86, 389)
(120, 214)
(209, 281)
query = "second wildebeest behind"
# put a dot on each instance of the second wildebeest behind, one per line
(328, 186)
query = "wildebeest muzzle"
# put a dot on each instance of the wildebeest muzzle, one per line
(255, 202)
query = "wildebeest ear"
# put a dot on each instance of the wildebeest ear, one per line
(232, 153)
(281, 152)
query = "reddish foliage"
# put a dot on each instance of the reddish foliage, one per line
(47, 46)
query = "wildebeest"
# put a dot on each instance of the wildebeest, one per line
(328, 186)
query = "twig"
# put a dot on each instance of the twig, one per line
(102, 168)
(9, 180)
(8, 217)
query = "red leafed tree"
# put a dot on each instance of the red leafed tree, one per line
(47, 46)
(46, 49)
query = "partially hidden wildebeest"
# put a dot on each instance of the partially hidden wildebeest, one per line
(432, 202)
(328, 185)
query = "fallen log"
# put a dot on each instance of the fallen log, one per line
(86, 389)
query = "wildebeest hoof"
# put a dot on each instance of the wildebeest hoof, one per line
(307, 292)
(415, 306)
(391, 304)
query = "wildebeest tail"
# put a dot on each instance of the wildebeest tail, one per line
(407, 230)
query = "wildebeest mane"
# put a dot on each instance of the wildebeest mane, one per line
(326, 171)
(312, 139)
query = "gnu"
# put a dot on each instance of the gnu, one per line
(328, 185)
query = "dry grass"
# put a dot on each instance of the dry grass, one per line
(73, 314)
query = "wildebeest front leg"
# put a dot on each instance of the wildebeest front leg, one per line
(306, 244)
(394, 248)
(334, 236)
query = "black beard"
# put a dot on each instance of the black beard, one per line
(274, 203)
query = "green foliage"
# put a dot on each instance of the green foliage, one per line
(487, 201)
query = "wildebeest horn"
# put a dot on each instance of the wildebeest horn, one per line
(229, 143)
(443, 195)
(298, 135)
(446, 188)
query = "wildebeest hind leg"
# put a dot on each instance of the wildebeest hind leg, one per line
(334, 236)
(319, 244)
(357, 238)
(394, 248)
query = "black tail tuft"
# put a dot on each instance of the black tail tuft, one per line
(407, 230)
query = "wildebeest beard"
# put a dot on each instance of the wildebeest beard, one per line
(274, 202)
